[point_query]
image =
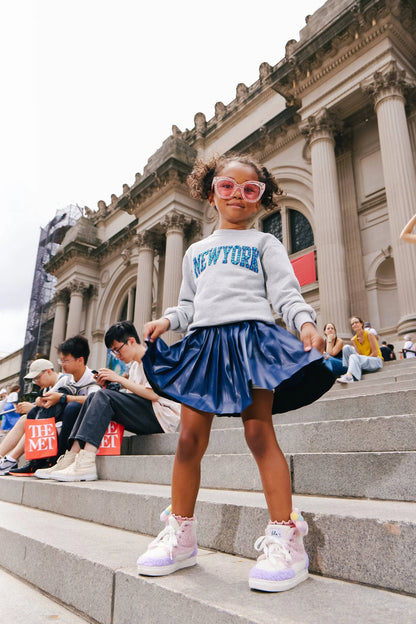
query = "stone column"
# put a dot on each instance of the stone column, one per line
(98, 356)
(144, 285)
(351, 236)
(58, 332)
(387, 90)
(332, 271)
(174, 225)
(77, 290)
(91, 312)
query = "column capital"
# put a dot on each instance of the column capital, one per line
(76, 287)
(61, 296)
(98, 335)
(175, 222)
(389, 83)
(146, 241)
(324, 125)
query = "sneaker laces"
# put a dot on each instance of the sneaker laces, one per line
(167, 539)
(273, 548)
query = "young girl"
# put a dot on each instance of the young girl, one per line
(333, 350)
(235, 361)
(363, 355)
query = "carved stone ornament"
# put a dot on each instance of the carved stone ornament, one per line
(174, 221)
(323, 124)
(126, 255)
(77, 287)
(200, 124)
(220, 110)
(391, 82)
(146, 241)
(241, 92)
(61, 296)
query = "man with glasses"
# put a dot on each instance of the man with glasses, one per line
(138, 408)
(41, 373)
(79, 382)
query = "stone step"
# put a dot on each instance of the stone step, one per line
(368, 386)
(333, 407)
(22, 603)
(386, 433)
(92, 568)
(386, 476)
(356, 540)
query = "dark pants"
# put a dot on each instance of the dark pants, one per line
(133, 412)
(67, 414)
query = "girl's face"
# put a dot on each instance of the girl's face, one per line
(329, 329)
(235, 212)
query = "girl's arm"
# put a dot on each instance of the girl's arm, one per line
(283, 288)
(406, 234)
(373, 344)
(333, 348)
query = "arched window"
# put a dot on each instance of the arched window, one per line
(127, 309)
(291, 227)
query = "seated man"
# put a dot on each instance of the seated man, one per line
(139, 409)
(64, 407)
(42, 373)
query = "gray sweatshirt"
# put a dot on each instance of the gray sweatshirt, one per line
(233, 276)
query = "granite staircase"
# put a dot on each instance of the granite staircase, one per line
(352, 457)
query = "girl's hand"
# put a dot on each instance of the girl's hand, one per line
(154, 329)
(310, 338)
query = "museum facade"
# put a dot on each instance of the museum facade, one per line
(335, 122)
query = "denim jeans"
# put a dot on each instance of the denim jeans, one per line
(357, 363)
(335, 365)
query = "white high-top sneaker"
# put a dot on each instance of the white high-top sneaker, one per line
(63, 462)
(82, 469)
(284, 562)
(174, 548)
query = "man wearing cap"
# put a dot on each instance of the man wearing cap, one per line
(367, 327)
(42, 373)
(57, 402)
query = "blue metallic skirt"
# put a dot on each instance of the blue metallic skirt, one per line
(213, 369)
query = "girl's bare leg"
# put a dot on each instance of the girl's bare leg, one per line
(192, 444)
(261, 440)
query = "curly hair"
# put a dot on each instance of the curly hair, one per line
(203, 173)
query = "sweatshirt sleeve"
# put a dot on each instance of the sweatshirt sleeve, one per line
(181, 316)
(283, 288)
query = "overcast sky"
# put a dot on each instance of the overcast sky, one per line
(90, 90)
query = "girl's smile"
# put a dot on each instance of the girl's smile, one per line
(235, 212)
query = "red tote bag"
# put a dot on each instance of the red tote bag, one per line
(41, 439)
(111, 442)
